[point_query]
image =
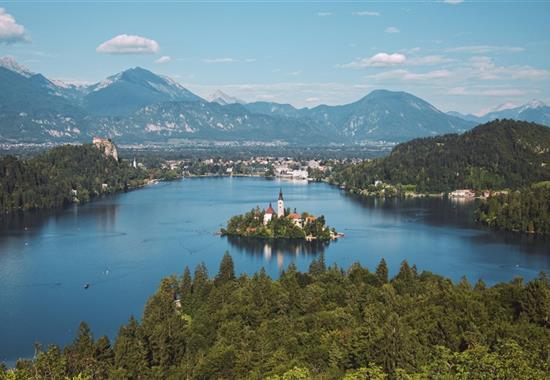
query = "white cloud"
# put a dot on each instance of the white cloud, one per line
(128, 44)
(377, 60)
(10, 30)
(295, 73)
(407, 75)
(453, 1)
(482, 49)
(485, 68)
(428, 60)
(493, 92)
(324, 14)
(219, 60)
(163, 59)
(366, 13)
(392, 29)
(313, 99)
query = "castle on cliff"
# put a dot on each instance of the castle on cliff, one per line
(107, 146)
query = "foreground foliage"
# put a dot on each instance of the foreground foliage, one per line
(497, 155)
(525, 210)
(63, 175)
(324, 324)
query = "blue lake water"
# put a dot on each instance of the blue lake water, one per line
(123, 245)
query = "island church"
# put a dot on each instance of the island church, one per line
(280, 209)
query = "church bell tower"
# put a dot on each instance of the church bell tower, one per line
(280, 205)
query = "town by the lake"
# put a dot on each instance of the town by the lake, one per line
(274, 190)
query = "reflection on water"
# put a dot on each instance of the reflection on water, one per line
(123, 245)
(277, 249)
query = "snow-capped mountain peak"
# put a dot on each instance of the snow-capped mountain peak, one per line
(222, 98)
(533, 104)
(11, 64)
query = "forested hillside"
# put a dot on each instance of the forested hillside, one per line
(324, 324)
(48, 180)
(524, 210)
(500, 154)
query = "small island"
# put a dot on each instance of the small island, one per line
(283, 224)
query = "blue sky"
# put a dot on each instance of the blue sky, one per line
(466, 56)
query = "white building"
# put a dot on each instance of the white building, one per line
(268, 215)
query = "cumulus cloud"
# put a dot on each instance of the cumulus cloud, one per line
(407, 75)
(377, 60)
(392, 29)
(163, 59)
(10, 31)
(483, 49)
(128, 44)
(324, 14)
(366, 13)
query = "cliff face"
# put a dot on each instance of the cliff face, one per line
(108, 147)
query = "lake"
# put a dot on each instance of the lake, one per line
(123, 245)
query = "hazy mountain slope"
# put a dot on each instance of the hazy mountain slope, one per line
(388, 115)
(33, 109)
(128, 91)
(209, 121)
(222, 98)
(534, 111)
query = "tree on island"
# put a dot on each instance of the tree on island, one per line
(251, 225)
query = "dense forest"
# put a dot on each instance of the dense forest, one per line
(525, 210)
(251, 225)
(63, 175)
(323, 324)
(500, 154)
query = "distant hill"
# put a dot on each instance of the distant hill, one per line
(173, 121)
(139, 106)
(222, 98)
(496, 155)
(127, 92)
(534, 111)
(34, 109)
(388, 115)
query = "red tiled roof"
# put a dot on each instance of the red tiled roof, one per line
(269, 210)
(295, 216)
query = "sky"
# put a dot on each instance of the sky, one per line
(466, 56)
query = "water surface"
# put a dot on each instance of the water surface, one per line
(123, 245)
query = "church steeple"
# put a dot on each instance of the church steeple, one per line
(280, 204)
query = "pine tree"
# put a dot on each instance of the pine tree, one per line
(186, 283)
(130, 351)
(227, 270)
(382, 271)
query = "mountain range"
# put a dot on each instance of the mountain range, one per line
(534, 111)
(138, 106)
